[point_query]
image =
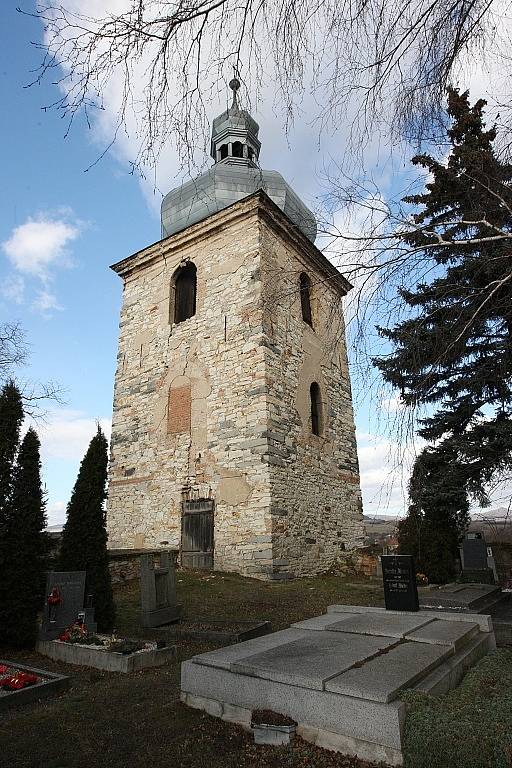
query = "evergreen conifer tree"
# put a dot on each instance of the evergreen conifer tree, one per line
(454, 354)
(437, 515)
(11, 418)
(84, 538)
(28, 548)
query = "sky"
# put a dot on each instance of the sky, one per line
(61, 226)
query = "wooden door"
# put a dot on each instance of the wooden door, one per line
(197, 534)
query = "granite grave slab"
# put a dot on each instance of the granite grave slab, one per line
(342, 687)
(439, 632)
(381, 678)
(385, 625)
(313, 659)
(470, 597)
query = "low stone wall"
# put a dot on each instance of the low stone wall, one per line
(124, 564)
(357, 562)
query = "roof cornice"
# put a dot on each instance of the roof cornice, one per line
(258, 202)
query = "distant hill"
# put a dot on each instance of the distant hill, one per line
(369, 520)
(498, 514)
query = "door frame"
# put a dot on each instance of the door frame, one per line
(199, 506)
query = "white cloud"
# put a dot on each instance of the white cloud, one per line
(13, 289)
(39, 244)
(46, 302)
(385, 469)
(65, 434)
(56, 513)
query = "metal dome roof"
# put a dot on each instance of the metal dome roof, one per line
(235, 175)
(224, 185)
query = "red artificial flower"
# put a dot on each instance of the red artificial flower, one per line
(55, 597)
(18, 681)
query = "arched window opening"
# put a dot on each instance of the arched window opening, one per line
(305, 299)
(316, 409)
(250, 153)
(223, 151)
(185, 285)
(238, 149)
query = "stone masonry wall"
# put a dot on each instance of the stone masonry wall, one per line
(316, 498)
(217, 406)
(216, 355)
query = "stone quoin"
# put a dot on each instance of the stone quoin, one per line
(233, 434)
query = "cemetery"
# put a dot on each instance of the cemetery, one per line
(211, 600)
(320, 627)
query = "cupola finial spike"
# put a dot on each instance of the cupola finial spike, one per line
(234, 84)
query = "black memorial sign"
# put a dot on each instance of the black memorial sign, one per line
(399, 576)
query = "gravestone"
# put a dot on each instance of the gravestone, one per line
(64, 600)
(474, 559)
(158, 588)
(474, 552)
(399, 577)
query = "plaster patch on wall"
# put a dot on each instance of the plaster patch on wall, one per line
(233, 487)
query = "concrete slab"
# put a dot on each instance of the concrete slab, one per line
(385, 625)
(312, 660)
(459, 597)
(341, 687)
(450, 673)
(369, 721)
(320, 622)
(224, 657)
(484, 621)
(381, 678)
(449, 633)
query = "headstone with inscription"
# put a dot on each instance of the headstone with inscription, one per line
(64, 601)
(474, 552)
(399, 577)
(158, 588)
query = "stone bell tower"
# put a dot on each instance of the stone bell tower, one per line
(233, 434)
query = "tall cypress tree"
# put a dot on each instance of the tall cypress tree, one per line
(28, 548)
(84, 538)
(454, 353)
(11, 418)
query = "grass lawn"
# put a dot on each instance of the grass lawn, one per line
(109, 720)
(137, 721)
(229, 596)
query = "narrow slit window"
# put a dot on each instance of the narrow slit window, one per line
(305, 299)
(316, 409)
(185, 287)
